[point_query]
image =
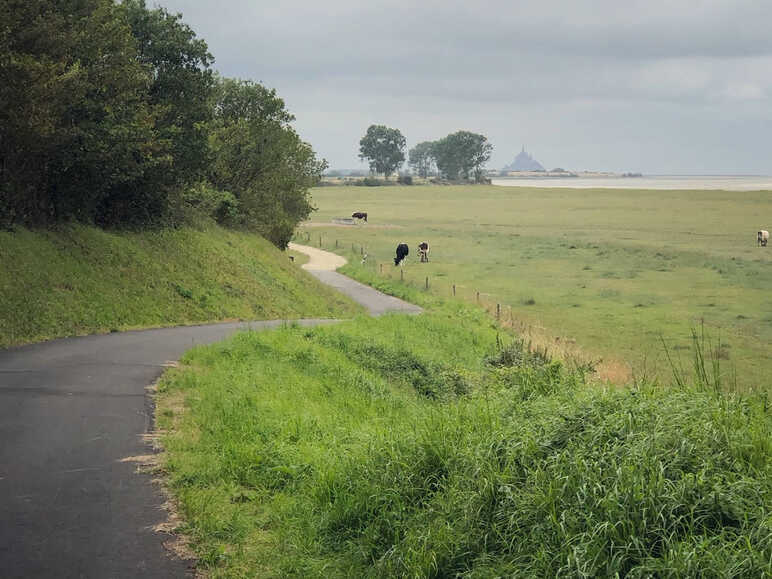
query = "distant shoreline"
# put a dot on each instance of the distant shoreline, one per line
(659, 182)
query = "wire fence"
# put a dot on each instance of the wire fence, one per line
(506, 316)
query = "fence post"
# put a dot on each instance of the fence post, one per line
(401, 275)
(454, 290)
(361, 250)
(478, 297)
(381, 265)
(427, 282)
(320, 241)
(498, 311)
(336, 244)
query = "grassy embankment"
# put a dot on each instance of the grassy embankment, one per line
(607, 272)
(435, 446)
(80, 280)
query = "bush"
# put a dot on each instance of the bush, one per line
(203, 201)
(405, 179)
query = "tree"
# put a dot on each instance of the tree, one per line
(421, 158)
(260, 159)
(75, 124)
(384, 148)
(462, 154)
(181, 86)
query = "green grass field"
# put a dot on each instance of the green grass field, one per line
(79, 280)
(600, 274)
(438, 446)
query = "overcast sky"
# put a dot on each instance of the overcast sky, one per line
(676, 86)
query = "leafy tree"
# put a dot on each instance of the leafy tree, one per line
(75, 124)
(462, 154)
(384, 148)
(261, 160)
(181, 86)
(421, 158)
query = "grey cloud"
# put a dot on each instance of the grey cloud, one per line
(690, 79)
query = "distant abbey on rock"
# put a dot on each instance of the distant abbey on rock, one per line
(524, 162)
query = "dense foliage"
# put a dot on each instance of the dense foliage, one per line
(383, 148)
(261, 160)
(462, 155)
(421, 158)
(76, 126)
(459, 156)
(111, 114)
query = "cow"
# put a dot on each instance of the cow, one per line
(762, 238)
(423, 251)
(402, 252)
(360, 215)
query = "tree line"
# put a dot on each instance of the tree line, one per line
(111, 114)
(459, 156)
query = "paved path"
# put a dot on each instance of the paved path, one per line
(70, 410)
(322, 265)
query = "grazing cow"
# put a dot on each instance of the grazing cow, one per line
(762, 238)
(423, 251)
(402, 251)
(360, 215)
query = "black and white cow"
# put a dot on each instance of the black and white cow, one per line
(762, 238)
(402, 252)
(423, 251)
(360, 215)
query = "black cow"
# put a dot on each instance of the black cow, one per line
(360, 215)
(423, 251)
(402, 252)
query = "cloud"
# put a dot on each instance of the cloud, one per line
(689, 75)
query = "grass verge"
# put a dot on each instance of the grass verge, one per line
(78, 280)
(433, 446)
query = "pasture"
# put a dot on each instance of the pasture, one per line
(594, 273)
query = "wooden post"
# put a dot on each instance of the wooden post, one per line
(478, 297)
(427, 282)
(336, 244)
(361, 250)
(401, 275)
(320, 241)
(454, 290)
(498, 311)
(381, 269)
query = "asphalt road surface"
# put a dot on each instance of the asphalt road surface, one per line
(70, 411)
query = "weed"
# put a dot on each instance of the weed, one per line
(184, 292)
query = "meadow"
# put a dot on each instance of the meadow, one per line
(619, 277)
(439, 446)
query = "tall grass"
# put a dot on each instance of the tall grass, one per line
(430, 446)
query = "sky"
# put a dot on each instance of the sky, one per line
(659, 87)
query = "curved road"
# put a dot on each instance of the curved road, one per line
(322, 265)
(70, 410)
